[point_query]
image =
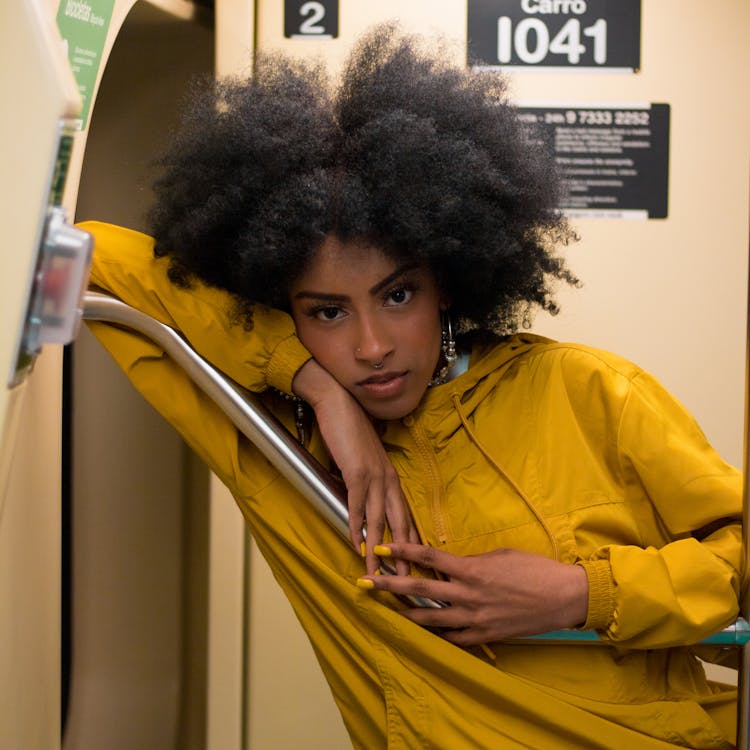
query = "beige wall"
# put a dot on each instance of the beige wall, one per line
(671, 294)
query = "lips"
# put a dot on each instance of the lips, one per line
(383, 377)
(384, 383)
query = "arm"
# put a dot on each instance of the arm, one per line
(373, 488)
(269, 354)
(683, 588)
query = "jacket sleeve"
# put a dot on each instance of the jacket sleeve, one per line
(267, 354)
(685, 585)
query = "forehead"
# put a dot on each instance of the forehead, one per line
(339, 263)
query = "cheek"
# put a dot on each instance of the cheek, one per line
(304, 332)
(426, 338)
(325, 346)
(311, 339)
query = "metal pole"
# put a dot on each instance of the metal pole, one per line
(250, 416)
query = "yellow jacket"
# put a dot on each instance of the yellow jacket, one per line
(552, 448)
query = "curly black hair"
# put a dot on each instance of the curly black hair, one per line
(426, 160)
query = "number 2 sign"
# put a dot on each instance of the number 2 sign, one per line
(555, 33)
(311, 19)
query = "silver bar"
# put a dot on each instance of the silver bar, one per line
(247, 413)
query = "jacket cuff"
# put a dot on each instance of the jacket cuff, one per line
(601, 594)
(286, 360)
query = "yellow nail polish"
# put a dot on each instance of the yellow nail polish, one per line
(365, 583)
(382, 551)
(362, 549)
(488, 652)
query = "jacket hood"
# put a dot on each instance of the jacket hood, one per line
(438, 411)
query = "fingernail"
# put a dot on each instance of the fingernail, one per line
(362, 549)
(382, 551)
(365, 583)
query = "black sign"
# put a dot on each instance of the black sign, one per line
(555, 33)
(311, 19)
(614, 160)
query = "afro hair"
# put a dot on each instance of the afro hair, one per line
(423, 159)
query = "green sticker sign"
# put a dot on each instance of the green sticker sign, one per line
(84, 24)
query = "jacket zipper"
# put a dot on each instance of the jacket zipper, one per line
(427, 454)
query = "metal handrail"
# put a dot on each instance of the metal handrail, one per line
(246, 411)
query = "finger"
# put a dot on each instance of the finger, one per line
(400, 523)
(399, 518)
(375, 525)
(448, 619)
(413, 586)
(426, 556)
(372, 562)
(467, 637)
(356, 496)
(413, 535)
(402, 567)
(356, 522)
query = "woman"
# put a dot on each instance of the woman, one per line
(324, 246)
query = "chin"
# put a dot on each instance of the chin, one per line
(393, 410)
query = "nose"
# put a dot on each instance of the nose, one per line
(374, 342)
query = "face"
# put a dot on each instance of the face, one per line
(356, 309)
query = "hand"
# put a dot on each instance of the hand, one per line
(373, 488)
(493, 596)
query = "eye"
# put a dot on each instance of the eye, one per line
(399, 296)
(329, 312)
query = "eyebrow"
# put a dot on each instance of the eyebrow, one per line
(400, 271)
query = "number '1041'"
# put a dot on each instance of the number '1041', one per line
(531, 42)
